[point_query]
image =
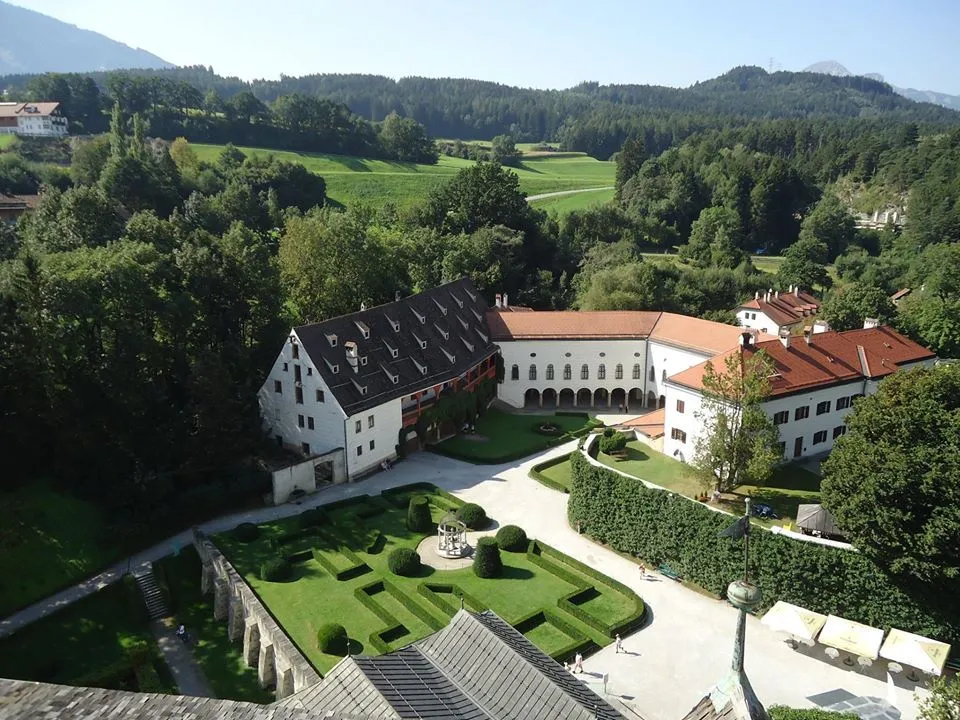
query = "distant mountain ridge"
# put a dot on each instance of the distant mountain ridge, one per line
(832, 67)
(31, 42)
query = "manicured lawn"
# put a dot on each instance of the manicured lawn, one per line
(560, 473)
(790, 486)
(506, 436)
(220, 660)
(315, 596)
(86, 643)
(48, 540)
(374, 182)
(644, 462)
(563, 204)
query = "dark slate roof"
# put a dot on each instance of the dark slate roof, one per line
(345, 689)
(438, 334)
(21, 700)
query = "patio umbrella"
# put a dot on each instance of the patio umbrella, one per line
(799, 622)
(924, 654)
(852, 637)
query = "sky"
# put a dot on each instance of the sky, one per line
(535, 43)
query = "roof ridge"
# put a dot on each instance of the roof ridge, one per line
(453, 681)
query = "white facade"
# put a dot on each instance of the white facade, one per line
(757, 320)
(573, 373)
(41, 120)
(663, 360)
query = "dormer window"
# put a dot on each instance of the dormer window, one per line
(444, 333)
(441, 307)
(422, 368)
(363, 328)
(391, 349)
(332, 339)
(393, 323)
(450, 356)
(333, 367)
(421, 343)
(467, 343)
(421, 318)
(477, 315)
(363, 360)
(482, 335)
(457, 300)
(394, 378)
(362, 389)
(473, 298)
(463, 323)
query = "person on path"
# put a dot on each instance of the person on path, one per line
(578, 663)
(643, 570)
(619, 644)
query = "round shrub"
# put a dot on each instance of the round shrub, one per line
(512, 538)
(486, 558)
(246, 532)
(608, 432)
(612, 443)
(418, 515)
(310, 518)
(404, 561)
(332, 639)
(275, 570)
(473, 516)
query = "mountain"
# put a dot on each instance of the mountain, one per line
(832, 67)
(34, 43)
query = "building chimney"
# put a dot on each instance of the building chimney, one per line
(363, 306)
(396, 296)
(746, 339)
(777, 295)
(351, 349)
(498, 300)
(796, 291)
(506, 302)
(820, 326)
(785, 337)
(808, 336)
(756, 295)
(870, 323)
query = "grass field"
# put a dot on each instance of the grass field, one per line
(562, 204)
(526, 594)
(48, 540)
(504, 436)
(766, 263)
(351, 180)
(6, 140)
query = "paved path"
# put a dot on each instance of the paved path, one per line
(186, 673)
(673, 661)
(544, 196)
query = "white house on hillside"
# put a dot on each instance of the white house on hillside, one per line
(773, 311)
(42, 119)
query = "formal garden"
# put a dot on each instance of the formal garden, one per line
(499, 436)
(353, 565)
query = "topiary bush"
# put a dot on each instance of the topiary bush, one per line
(246, 532)
(486, 558)
(512, 539)
(473, 516)
(404, 561)
(332, 639)
(418, 515)
(310, 518)
(614, 442)
(275, 570)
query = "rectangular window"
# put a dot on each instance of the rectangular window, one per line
(359, 450)
(286, 367)
(357, 426)
(839, 430)
(823, 407)
(300, 420)
(309, 422)
(819, 437)
(299, 393)
(305, 447)
(677, 434)
(372, 445)
(320, 396)
(309, 371)
(370, 421)
(296, 351)
(781, 417)
(278, 387)
(802, 412)
(296, 373)
(680, 406)
(843, 403)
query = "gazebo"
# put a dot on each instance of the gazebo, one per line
(452, 537)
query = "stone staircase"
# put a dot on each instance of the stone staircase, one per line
(152, 596)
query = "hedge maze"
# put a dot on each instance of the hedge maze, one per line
(340, 574)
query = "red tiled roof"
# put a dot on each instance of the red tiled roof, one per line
(829, 358)
(698, 334)
(902, 293)
(32, 109)
(650, 424)
(18, 202)
(786, 308)
(561, 325)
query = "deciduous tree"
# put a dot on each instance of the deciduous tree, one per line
(847, 308)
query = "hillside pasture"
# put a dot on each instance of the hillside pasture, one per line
(563, 204)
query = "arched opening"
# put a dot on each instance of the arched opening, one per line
(549, 398)
(662, 401)
(584, 397)
(601, 398)
(618, 399)
(651, 399)
(531, 398)
(636, 397)
(566, 399)
(515, 372)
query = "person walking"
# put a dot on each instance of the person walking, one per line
(578, 663)
(619, 644)
(643, 570)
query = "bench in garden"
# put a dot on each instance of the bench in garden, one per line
(669, 572)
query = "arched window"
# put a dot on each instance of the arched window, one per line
(653, 374)
(584, 372)
(515, 372)
(636, 371)
(663, 376)
(602, 372)
(550, 372)
(567, 372)
(618, 372)
(533, 372)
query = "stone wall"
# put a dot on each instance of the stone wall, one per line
(265, 644)
(301, 475)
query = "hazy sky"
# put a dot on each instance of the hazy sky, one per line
(536, 43)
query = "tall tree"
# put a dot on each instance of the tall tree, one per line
(848, 307)
(893, 480)
(805, 265)
(503, 150)
(831, 223)
(629, 160)
(738, 444)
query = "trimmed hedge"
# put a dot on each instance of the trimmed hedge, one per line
(473, 516)
(536, 472)
(332, 639)
(512, 539)
(246, 532)
(358, 568)
(612, 441)
(394, 630)
(310, 518)
(436, 594)
(275, 570)
(578, 641)
(663, 527)
(404, 561)
(486, 559)
(418, 515)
